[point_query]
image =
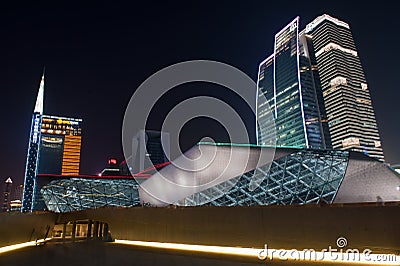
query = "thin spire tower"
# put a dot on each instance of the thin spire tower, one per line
(40, 97)
(30, 183)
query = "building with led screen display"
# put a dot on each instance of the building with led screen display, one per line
(60, 145)
(54, 148)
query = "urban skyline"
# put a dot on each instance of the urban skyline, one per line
(111, 143)
(203, 133)
(327, 176)
(315, 86)
(297, 85)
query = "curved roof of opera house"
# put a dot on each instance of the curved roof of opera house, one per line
(221, 174)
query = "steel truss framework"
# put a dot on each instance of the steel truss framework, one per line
(307, 176)
(73, 194)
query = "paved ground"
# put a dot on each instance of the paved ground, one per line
(100, 253)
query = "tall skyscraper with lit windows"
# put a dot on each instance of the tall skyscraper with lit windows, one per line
(288, 83)
(316, 88)
(54, 148)
(352, 122)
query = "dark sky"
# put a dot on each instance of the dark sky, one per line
(97, 53)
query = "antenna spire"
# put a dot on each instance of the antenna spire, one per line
(40, 96)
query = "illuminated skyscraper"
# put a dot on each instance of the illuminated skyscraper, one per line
(54, 148)
(316, 88)
(351, 117)
(288, 82)
(60, 145)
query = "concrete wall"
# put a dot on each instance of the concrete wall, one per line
(16, 227)
(308, 226)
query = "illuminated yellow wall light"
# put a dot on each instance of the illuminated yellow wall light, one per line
(272, 254)
(22, 245)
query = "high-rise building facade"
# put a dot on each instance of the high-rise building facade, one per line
(54, 148)
(349, 109)
(316, 89)
(286, 80)
(150, 148)
(7, 195)
(60, 145)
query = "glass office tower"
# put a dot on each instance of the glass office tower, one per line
(351, 117)
(148, 149)
(60, 145)
(54, 148)
(286, 79)
(316, 87)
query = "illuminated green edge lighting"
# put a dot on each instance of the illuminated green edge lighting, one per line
(246, 145)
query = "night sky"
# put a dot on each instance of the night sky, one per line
(97, 53)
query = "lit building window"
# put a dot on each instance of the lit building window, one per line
(364, 86)
(349, 142)
(334, 46)
(338, 81)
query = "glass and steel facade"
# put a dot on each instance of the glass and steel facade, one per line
(54, 148)
(287, 81)
(60, 145)
(314, 107)
(329, 104)
(303, 177)
(74, 194)
(31, 169)
(51, 154)
(295, 176)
